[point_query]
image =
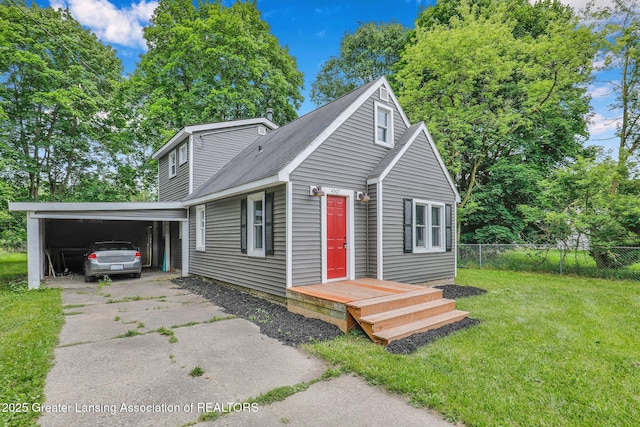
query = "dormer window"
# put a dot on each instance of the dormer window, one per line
(384, 125)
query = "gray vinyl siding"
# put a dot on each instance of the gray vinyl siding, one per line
(372, 232)
(223, 260)
(343, 161)
(306, 249)
(417, 175)
(177, 187)
(212, 150)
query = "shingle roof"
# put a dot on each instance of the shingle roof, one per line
(272, 152)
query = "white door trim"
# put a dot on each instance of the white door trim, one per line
(351, 246)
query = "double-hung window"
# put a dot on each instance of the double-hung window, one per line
(172, 164)
(255, 226)
(201, 227)
(427, 225)
(384, 125)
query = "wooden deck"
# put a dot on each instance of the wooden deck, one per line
(346, 291)
(385, 310)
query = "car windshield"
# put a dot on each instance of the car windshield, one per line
(114, 246)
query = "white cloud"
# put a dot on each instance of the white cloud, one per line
(122, 27)
(578, 5)
(600, 125)
(599, 91)
(321, 34)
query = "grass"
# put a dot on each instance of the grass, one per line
(196, 372)
(551, 350)
(30, 322)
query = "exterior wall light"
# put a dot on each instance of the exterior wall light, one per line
(316, 191)
(363, 197)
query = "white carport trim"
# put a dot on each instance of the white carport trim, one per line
(91, 206)
(164, 211)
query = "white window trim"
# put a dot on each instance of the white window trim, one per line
(428, 227)
(201, 231)
(173, 166)
(389, 143)
(251, 250)
(182, 154)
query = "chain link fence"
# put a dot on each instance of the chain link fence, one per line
(612, 262)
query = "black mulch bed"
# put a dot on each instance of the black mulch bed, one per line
(277, 322)
(274, 320)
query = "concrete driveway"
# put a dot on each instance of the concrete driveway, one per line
(115, 366)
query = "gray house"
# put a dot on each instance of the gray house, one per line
(350, 190)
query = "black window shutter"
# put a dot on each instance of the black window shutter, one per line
(243, 226)
(448, 218)
(408, 225)
(268, 223)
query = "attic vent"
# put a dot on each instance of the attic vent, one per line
(262, 130)
(384, 94)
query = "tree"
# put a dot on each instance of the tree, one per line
(619, 23)
(575, 206)
(57, 82)
(211, 63)
(368, 53)
(498, 84)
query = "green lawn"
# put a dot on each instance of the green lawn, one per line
(30, 322)
(551, 350)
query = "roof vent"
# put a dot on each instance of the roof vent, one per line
(269, 114)
(262, 130)
(384, 94)
(259, 148)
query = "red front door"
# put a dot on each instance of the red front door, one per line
(336, 237)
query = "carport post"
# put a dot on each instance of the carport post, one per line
(34, 250)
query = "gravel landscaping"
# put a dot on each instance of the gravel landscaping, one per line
(293, 329)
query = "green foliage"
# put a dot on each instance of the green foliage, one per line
(576, 205)
(368, 53)
(210, 63)
(499, 85)
(56, 93)
(550, 350)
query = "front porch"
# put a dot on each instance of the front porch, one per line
(385, 310)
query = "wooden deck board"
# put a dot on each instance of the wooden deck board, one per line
(346, 291)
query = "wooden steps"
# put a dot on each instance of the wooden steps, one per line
(385, 310)
(388, 318)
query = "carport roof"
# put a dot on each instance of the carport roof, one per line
(140, 211)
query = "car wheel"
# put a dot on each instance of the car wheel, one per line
(87, 279)
(137, 275)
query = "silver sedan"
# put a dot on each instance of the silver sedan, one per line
(110, 258)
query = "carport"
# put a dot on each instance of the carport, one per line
(59, 233)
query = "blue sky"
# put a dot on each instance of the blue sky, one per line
(312, 29)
